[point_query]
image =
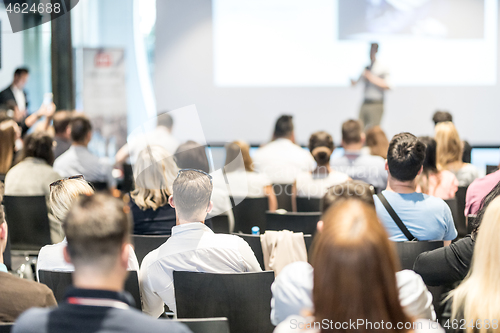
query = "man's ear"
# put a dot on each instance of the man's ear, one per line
(171, 201)
(210, 207)
(125, 253)
(66, 255)
(386, 166)
(363, 138)
(320, 226)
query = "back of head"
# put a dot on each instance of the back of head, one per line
(232, 151)
(449, 147)
(192, 191)
(192, 155)
(347, 190)
(354, 268)
(321, 147)
(7, 141)
(405, 156)
(39, 145)
(64, 193)
(96, 228)
(21, 71)
(283, 127)
(377, 141)
(80, 128)
(441, 116)
(430, 162)
(352, 131)
(61, 121)
(478, 295)
(154, 174)
(165, 119)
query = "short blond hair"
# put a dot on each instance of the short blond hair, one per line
(64, 194)
(449, 147)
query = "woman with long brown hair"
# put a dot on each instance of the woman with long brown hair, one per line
(354, 277)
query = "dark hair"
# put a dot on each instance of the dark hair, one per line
(191, 193)
(283, 127)
(351, 131)
(20, 71)
(192, 155)
(430, 161)
(80, 127)
(405, 156)
(441, 116)
(39, 145)
(467, 152)
(495, 192)
(165, 119)
(61, 121)
(321, 139)
(347, 190)
(377, 141)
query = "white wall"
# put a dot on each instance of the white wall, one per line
(12, 50)
(184, 76)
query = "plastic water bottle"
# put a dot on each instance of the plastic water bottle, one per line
(255, 230)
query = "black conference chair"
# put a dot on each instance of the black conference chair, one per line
(296, 222)
(308, 204)
(7, 327)
(409, 251)
(206, 325)
(248, 213)
(284, 196)
(7, 257)
(143, 244)
(28, 222)
(243, 298)
(59, 282)
(219, 224)
(457, 207)
(471, 219)
(128, 183)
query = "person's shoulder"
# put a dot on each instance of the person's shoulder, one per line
(33, 320)
(410, 281)
(427, 326)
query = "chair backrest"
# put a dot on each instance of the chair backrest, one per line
(207, 325)
(243, 298)
(409, 251)
(143, 244)
(100, 186)
(59, 282)
(28, 222)
(7, 257)
(296, 222)
(219, 224)
(128, 184)
(284, 196)
(6, 327)
(460, 196)
(256, 246)
(249, 212)
(2, 177)
(308, 204)
(470, 223)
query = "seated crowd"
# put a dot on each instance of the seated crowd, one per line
(377, 192)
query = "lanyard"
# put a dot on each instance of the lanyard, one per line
(105, 302)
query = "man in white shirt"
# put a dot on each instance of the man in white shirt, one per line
(192, 247)
(282, 160)
(376, 79)
(15, 92)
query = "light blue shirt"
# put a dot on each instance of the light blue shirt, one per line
(3, 268)
(367, 168)
(427, 218)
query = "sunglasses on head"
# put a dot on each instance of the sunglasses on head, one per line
(60, 181)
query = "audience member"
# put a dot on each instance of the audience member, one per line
(441, 116)
(281, 159)
(442, 184)
(161, 135)
(9, 133)
(62, 132)
(155, 171)
(244, 181)
(33, 175)
(98, 231)
(354, 163)
(377, 141)
(292, 289)
(449, 154)
(315, 184)
(451, 264)
(478, 189)
(425, 217)
(17, 295)
(475, 300)
(192, 246)
(15, 92)
(354, 275)
(78, 160)
(63, 194)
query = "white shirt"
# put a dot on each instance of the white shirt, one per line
(19, 97)
(244, 184)
(51, 258)
(281, 161)
(372, 92)
(292, 292)
(192, 247)
(314, 187)
(160, 136)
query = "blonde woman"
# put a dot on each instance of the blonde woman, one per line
(449, 154)
(476, 301)
(9, 133)
(63, 193)
(154, 174)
